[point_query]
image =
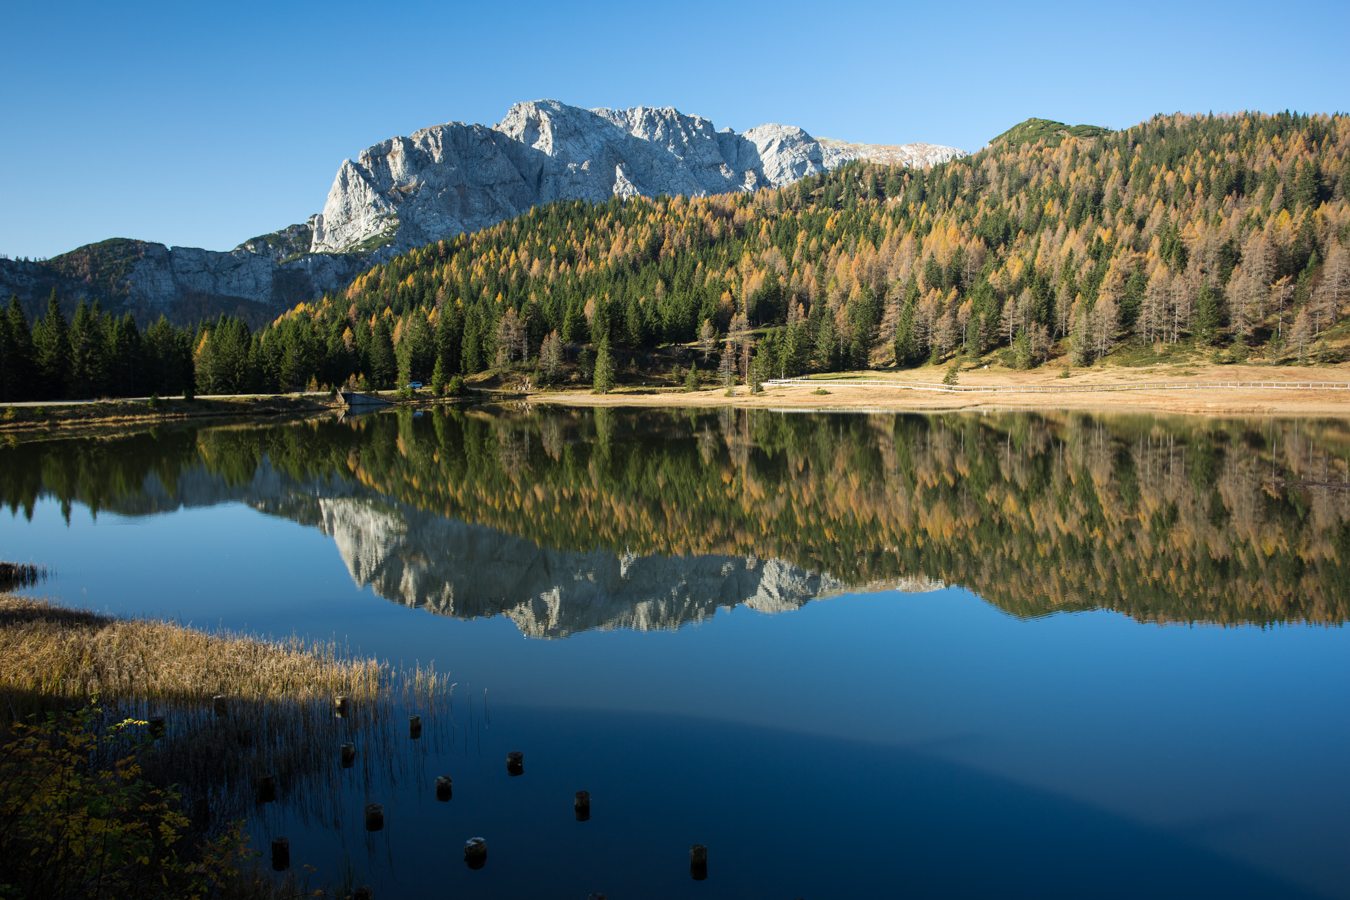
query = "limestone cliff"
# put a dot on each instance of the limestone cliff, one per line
(436, 183)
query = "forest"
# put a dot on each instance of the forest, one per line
(1224, 235)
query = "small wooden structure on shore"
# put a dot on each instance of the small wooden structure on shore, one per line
(355, 400)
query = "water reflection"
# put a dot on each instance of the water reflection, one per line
(574, 520)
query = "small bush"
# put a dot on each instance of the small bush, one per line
(79, 824)
(455, 386)
(953, 373)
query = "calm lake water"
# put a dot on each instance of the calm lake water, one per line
(864, 655)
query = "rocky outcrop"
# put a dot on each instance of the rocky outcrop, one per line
(452, 178)
(437, 183)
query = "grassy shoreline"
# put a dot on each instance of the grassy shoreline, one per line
(1195, 389)
(132, 752)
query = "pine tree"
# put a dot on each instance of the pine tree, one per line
(18, 371)
(383, 367)
(604, 369)
(88, 353)
(51, 349)
(438, 378)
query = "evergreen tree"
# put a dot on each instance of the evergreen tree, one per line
(383, 367)
(438, 378)
(88, 353)
(18, 370)
(51, 349)
(604, 369)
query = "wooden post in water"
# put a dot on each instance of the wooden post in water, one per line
(341, 705)
(374, 817)
(156, 724)
(281, 854)
(414, 727)
(348, 755)
(475, 852)
(201, 812)
(581, 804)
(265, 789)
(363, 893)
(698, 862)
(220, 706)
(515, 763)
(443, 788)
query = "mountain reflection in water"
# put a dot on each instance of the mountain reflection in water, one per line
(582, 519)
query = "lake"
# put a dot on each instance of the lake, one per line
(855, 655)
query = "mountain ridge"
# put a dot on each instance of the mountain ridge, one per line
(438, 182)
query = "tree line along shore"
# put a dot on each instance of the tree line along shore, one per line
(1222, 238)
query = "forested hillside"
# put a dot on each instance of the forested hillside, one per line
(1226, 235)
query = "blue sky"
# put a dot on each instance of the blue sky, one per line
(202, 124)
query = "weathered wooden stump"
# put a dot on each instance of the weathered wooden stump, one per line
(414, 727)
(475, 853)
(156, 724)
(698, 862)
(581, 805)
(201, 812)
(363, 893)
(374, 817)
(348, 755)
(281, 854)
(220, 706)
(515, 763)
(443, 788)
(341, 705)
(265, 789)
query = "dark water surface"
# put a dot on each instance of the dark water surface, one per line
(1002, 655)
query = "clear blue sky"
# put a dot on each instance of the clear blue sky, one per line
(202, 124)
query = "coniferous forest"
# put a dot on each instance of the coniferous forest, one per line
(1224, 235)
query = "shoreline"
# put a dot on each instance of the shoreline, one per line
(1198, 390)
(65, 416)
(1192, 390)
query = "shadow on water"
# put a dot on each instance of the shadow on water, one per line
(811, 817)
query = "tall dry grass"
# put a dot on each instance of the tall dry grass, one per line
(280, 719)
(71, 654)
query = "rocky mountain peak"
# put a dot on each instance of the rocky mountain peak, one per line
(455, 177)
(439, 182)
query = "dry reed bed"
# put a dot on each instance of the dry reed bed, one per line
(279, 719)
(72, 654)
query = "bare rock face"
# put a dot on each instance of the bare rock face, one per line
(437, 183)
(453, 178)
(914, 156)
